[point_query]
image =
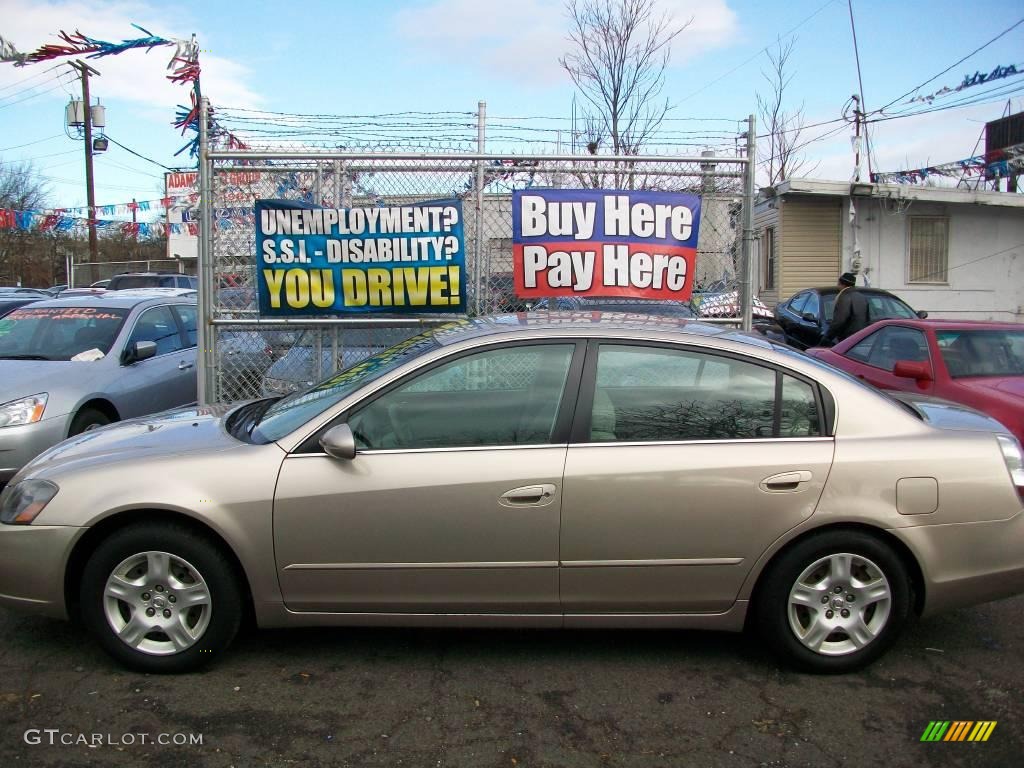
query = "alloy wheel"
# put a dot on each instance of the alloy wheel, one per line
(839, 604)
(157, 603)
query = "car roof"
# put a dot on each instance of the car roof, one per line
(586, 322)
(116, 300)
(154, 291)
(953, 325)
(827, 289)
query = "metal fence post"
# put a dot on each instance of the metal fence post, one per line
(481, 142)
(205, 332)
(746, 284)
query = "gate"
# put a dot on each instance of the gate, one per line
(245, 355)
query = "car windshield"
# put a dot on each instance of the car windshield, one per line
(289, 413)
(59, 333)
(881, 306)
(982, 353)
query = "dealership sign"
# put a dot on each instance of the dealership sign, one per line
(328, 261)
(596, 242)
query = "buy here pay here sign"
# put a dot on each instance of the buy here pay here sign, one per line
(597, 242)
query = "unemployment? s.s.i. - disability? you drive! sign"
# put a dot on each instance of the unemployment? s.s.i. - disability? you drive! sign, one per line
(598, 242)
(325, 261)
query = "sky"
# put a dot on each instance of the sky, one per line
(443, 56)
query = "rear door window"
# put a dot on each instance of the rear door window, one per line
(654, 394)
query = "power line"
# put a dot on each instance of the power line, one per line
(755, 56)
(132, 151)
(29, 144)
(983, 99)
(35, 76)
(954, 64)
(60, 84)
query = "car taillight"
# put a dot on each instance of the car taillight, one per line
(1014, 458)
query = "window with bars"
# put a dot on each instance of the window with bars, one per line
(768, 259)
(929, 249)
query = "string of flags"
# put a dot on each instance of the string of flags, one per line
(183, 69)
(61, 221)
(997, 164)
(970, 81)
(46, 221)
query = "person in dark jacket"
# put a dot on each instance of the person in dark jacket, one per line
(851, 310)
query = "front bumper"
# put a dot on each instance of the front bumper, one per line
(19, 445)
(968, 563)
(32, 564)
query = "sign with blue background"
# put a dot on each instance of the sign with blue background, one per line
(332, 261)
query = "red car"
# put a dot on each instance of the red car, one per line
(979, 364)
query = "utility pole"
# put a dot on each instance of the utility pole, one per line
(84, 70)
(856, 139)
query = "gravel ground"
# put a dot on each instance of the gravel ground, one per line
(516, 698)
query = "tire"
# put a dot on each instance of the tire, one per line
(158, 567)
(797, 625)
(86, 419)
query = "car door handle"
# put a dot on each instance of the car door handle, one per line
(786, 481)
(184, 365)
(528, 496)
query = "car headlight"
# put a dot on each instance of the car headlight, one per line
(25, 410)
(21, 504)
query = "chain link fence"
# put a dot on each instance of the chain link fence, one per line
(246, 356)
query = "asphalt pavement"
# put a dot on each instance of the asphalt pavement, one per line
(397, 697)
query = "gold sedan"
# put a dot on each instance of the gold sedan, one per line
(552, 470)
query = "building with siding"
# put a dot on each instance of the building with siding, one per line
(958, 254)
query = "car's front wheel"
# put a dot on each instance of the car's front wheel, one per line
(160, 598)
(834, 602)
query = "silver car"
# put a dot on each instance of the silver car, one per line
(71, 365)
(530, 470)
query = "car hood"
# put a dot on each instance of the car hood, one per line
(29, 377)
(167, 434)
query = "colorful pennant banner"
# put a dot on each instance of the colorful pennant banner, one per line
(993, 165)
(969, 81)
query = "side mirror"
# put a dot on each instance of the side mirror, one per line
(809, 317)
(920, 370)
(339, 442)
(922, 314)
(138, 351)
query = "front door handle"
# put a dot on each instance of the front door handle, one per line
(184, 365)
(786, 481)
(528, 496)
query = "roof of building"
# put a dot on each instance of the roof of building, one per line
(891, 192)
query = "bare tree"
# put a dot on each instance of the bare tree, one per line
(621, 49)
(781, 158)
(21, 189)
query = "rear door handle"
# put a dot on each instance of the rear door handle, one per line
(786, 481)
(528, 496)
(184, 365)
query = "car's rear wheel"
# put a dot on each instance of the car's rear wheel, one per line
(160, 598)
(834, 602)
(87, 419)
